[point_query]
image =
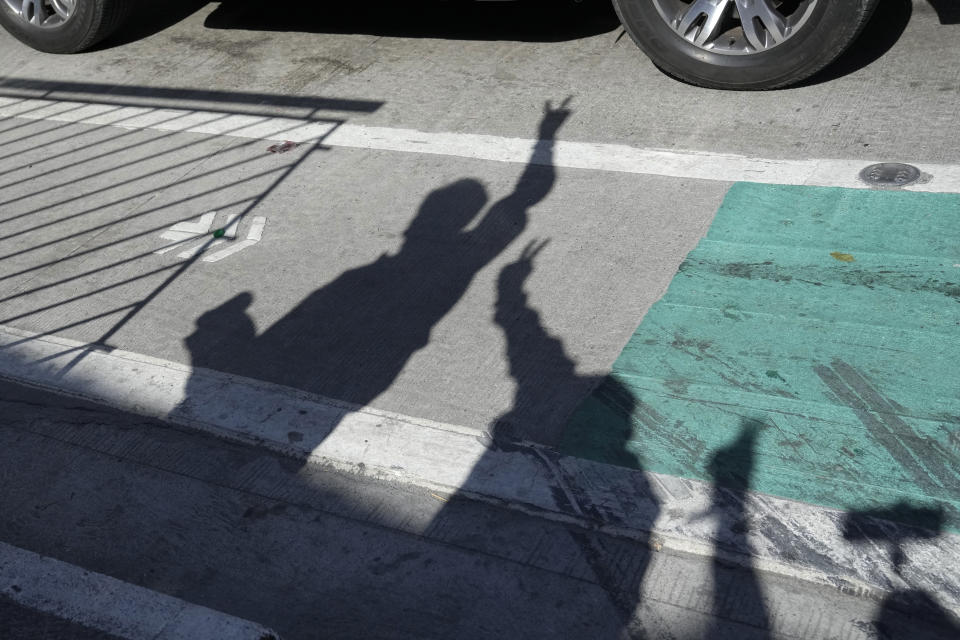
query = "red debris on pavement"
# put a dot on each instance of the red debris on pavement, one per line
(282, 147)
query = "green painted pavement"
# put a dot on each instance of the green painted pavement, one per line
(827, 319)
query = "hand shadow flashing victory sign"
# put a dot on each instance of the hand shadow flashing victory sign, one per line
(544, 374)
(350, 338)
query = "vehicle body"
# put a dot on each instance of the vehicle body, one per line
(725, 44)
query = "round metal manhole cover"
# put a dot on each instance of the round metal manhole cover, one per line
(890, 174)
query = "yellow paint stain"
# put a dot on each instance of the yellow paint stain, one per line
(440, 498)
(842, 257)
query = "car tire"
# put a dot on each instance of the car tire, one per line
(79, 25)
(785, 55)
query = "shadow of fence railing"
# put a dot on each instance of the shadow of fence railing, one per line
(110, 193)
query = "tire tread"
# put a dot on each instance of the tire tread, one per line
(862, 14)
(100, 18)
(112, 15)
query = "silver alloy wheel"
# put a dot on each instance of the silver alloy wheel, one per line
(42, 13)
(735, 27)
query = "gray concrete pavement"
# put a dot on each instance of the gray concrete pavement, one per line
(79, 240)
(82, 243)
(84, 206)
(25, 622)
(478, 69)
(41, 597)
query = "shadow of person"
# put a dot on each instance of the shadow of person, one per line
(736, 589)
(350, 338)
(542, 371)
(543, 374)
(910, 612)
(219, 330)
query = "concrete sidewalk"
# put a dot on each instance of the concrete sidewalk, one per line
(691, 443)
(314, 552)
(41, 597)
(800, 543)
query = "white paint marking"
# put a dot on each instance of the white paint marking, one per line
(182, 232)
(178, 236)
(118, 608)
(234, 247)
(253, 237)
(448, 459)
(199, 227)
(198, 248)
(575, 155)
(171, 247)
(231, 226)
(256, 229)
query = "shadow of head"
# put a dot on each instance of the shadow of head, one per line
(222, 331)
(901, 521)
(894, 525)
(447, 211)
(732, 466)
(232, 308)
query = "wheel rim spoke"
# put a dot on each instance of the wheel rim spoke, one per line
(33, 11)
(736, 27)
(762, 24)
(42, 13)
(701, 21)
(63, 8)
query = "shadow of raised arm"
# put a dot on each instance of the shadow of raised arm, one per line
(508, 217)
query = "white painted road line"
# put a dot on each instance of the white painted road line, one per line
(256, 229)
(115, 607)
(186, 230)
(449, 459)
(172, 246)
(253, 237)
(182, 232)
(229, 251)
(231, 226)
(194, 250)
(698, 165)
